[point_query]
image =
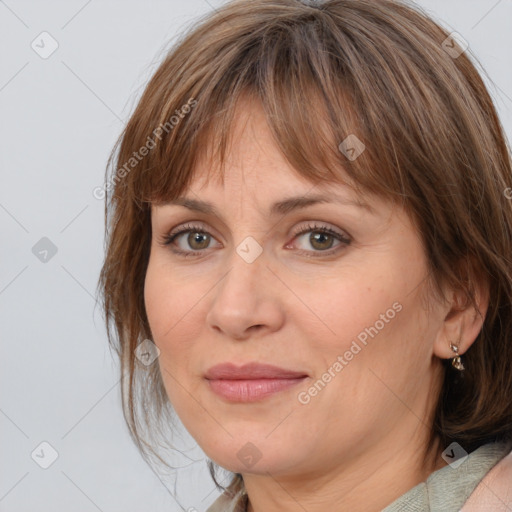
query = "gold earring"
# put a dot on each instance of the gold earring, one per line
(456, 362)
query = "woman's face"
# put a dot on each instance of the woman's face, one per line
(344, 311)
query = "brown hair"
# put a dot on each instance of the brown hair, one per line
(378, 70)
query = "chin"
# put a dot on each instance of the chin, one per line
(254, 454)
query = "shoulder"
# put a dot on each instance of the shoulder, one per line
(494, 492)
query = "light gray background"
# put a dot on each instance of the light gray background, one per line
(59, 118)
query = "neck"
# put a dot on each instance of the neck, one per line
(368, 483)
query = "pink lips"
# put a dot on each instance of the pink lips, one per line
(250, 382)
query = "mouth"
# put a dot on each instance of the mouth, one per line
(251, 382)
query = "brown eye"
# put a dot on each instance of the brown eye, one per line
(322, 240)
(188, 240)
(198, 240)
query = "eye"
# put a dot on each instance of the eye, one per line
(198, 240)
(321, 238)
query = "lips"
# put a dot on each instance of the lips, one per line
(251, 371)
(251, 382)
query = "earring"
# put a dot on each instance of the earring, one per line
(456, 362)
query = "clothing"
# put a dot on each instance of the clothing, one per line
(494, 492)
(445, 490)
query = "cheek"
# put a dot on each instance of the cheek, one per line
(348, 306)
(168, 298)
(158, 302)
(373, 319)
(166, 312)
(163, 308)
(176, 318)
(373, 354)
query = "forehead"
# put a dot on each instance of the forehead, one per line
(254, 160)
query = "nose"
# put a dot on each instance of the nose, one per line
(248, 300)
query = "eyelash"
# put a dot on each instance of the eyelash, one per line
(168, 239)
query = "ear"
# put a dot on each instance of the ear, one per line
(462, 322)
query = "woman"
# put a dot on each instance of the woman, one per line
(310, 226)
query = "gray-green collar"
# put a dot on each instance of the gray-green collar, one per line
(448, 488)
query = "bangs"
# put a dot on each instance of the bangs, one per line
(311, 101)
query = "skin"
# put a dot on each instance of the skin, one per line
(359, 443)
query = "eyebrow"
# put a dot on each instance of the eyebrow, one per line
(279, 208)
